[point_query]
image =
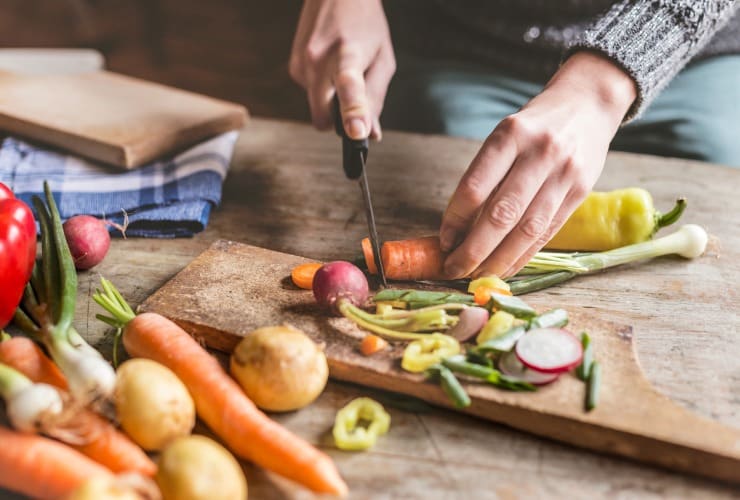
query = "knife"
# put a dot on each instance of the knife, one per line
(354, 156)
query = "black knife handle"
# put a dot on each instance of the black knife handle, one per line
(354, 152)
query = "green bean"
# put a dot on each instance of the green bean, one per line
(554, 318)
(450, 385)
(512, 305)
(594, 381)
(584, 369)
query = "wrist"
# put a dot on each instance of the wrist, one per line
(592, 75)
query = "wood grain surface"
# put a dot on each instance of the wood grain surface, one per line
(285, 191)
(109, 117)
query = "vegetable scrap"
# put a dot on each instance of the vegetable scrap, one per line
(372, 344)
(358, 425)
(423, 353)
(302, 275)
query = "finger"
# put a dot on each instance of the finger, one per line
(500, 215)
(570, 203)
(485, 172)
(378, 77)
(320, 94)
(349, 81)
(530, 234)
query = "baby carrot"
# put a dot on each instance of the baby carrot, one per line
(42, 468)
(371, 344)
(302, 275)
(98, 438)
(408, 260)
(226, 409)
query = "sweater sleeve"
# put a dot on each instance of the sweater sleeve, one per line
(652, 40)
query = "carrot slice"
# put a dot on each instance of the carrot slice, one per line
(302, 275)
(372, 344)
(367, 250)
(482, 294)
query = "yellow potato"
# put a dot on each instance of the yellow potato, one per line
(153, 405)
(97, 488)
(280, 368)
(198, 468)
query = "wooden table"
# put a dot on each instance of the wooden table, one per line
(285, 191)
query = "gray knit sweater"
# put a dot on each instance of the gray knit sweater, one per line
(651, 39)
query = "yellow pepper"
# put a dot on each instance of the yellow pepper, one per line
(349, 434)
(423, 353)
(500, 323)
(607, 220)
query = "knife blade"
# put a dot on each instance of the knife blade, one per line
(354, 157)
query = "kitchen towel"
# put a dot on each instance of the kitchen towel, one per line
(164, 199)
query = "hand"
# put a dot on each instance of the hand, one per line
(534, 169)
(344, 47)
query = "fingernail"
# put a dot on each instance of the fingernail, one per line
(454, 270)
(357, 129)
(447, 239)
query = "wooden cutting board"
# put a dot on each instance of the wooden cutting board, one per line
(112, 118)
(233, 288)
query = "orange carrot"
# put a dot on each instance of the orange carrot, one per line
(225, 408)
(302, 275)
(24, 355)
(482, 294)
(408, 260)
(102, 441)
(371, 344)
(41, 467)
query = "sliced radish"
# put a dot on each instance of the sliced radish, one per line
(472, 320)
(549, 350)
(511, 366)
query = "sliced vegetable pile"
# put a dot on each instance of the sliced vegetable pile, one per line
(514, 348)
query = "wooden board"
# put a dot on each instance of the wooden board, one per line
(233, 288)
(112, 118)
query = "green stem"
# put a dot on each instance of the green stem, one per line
(11, 381)
(349, 311)
(554, 318)
(584, 369)
(113, 302)
(67, 271)
(535, 283)
(451, 386)
(491, 375)
(37, 284)
(26, 324)
(668, 218)
(594, 382)
(49, 263)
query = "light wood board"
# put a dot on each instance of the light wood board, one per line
(111, 118)
(233, 288)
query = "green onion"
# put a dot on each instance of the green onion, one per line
(584, 369)
(459, 364)
(594, 381)
(450, 385)
(554, 318)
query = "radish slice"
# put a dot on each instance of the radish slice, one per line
(471, 321)
(549, 350)
(511, 366)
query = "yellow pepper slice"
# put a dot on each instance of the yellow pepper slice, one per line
(498, 324)
(492, 282)
(350, 435)
(607, 220)
(423, 353)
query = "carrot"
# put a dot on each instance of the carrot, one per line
(371, 344)
(102, 442)
(408, 260)
(41, 467)
(302, 275)
(24, 355)
(225, 408)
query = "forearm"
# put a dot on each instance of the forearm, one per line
(652, 40)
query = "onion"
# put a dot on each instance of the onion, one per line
(88, 240)
(340, 281)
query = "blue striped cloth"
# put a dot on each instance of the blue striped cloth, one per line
(165, 199)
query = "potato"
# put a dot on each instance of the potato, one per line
(280, 368)
(198, 468)
(109, 488)
(153, 405)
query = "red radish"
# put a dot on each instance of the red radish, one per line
(88, 240)
(549, 350)
(472, 320)
(511, 366)
(338, 281)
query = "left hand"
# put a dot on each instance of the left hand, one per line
(534, 169)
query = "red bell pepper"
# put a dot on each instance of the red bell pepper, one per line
(17, 251)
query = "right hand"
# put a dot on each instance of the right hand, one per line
(344, 48)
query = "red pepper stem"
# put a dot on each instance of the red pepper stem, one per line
(668, 218)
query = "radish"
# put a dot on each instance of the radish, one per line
(549, 350)
(338, 282)
(472, 320)
(88, 240)
(511, 366)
